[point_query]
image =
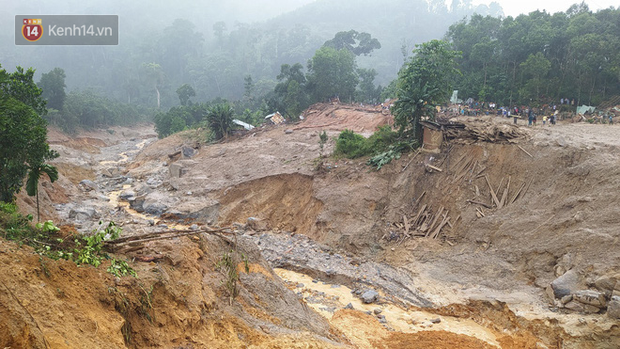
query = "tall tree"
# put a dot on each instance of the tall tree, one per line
(53, 86)
(357, 43)
(290, 95)
(23, 132)
(423, 83)
(153, 77)
(185, 92)
(333, 73)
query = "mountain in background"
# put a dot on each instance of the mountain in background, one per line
(213, 46)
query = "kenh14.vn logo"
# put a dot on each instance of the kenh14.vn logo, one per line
(32, 30)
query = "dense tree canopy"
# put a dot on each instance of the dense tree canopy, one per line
(332, 73)
(53, 86)
(539, 58)
(356, 43)
(23, 133)
(423, 83)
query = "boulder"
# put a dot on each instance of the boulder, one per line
(590, 297)
(581, 307)
(138, 203)
(369, 296)
(188, 152)
(154, 203)
(176, 170)
(155, 208)
(83, 213)
(203, 210)
(606, 283)
(564, 285)
(127, 195)
(257, 224)
(613, 308)
(89, 185)
(179, 168)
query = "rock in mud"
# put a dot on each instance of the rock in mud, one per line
(436, 321)
(155, 208)
(582, 308)
(84, 213)
(128, 195)
(257, 224)
(349, 306)
(369, 296)
(288, 131)
(590, 297)
(177, 170)
(613, 308)
(89, 185)
(564, 285)
(188, 152)
(607, 283)
(562, 142)
(566, 299)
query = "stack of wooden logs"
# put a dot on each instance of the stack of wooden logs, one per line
(485, 132)
(500, 197)
(426, 223)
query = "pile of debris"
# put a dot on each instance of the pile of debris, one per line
(499, 200)
(424, 224)
(484, 132)
(566, 293)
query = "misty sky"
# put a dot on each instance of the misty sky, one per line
(514, 8)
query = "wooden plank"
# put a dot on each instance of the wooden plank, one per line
(499, 187)
(525, 151)
(480, 172)
(480, 203)
(495, 199)
(437, 231)
(158, 235)
(435, 221)
(457, 162)
(528, 187)
(421, 196)
(505, 194)
(417, 217)
(406, 224)
(514, 198)
(434, 168)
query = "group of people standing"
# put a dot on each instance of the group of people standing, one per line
(531, 117)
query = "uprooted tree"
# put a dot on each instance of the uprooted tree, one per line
(423, 83)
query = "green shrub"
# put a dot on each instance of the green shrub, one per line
(46, 241)
(382, 139)
(352, 145)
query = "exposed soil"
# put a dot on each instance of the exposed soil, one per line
(345, 227)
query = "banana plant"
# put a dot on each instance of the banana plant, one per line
(32, 184)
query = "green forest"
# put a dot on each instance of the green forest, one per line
(173, 66)
(540, 57)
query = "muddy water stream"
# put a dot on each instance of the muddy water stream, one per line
(398, 319)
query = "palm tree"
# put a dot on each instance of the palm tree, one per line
(32, 184)
(219, 118)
